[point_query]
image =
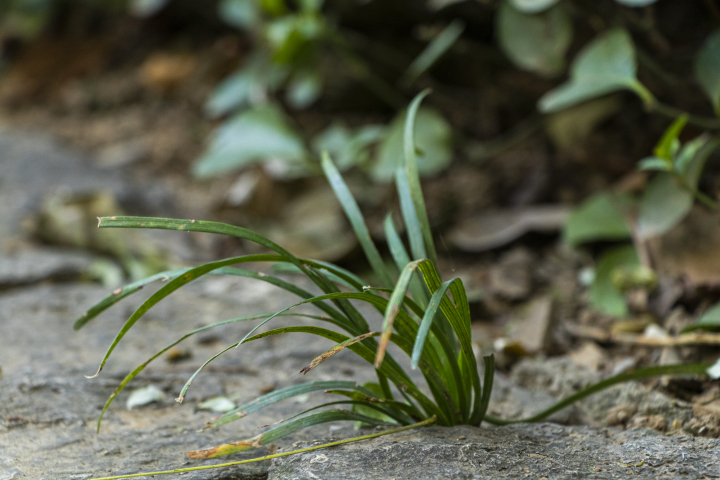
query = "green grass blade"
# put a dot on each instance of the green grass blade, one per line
(144, 365)
(157, 223)
(410, 217)
(401, 412)
(426, 322)
(393, 308)
(487, 385)
(357, 221)
(283, 430)
(389, 368)
(123, 292)
(280, 395)
(457, 314)
(639, 374)
(399, 254)
(433, 52)
(170, 287)
(413, 176)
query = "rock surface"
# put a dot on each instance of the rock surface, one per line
(517, 451)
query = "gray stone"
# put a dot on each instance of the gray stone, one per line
(519, 451)
(29, 266)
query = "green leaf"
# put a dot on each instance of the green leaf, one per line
(357, 221)
(655, 163)
(434, 141)
(606, 65)
(427, 321)
(348, 148)
(663, 205)
(690, 162)
(536, 42)
(604, 295)
(304, 88)
(123, 292)
(600, 217)
(243, 14)
(412, 170)
(665, 147)
(639, 374)
(248, 86)
(279, 395)
(433, 52)
(250, 137)
(532, 6)
(284, 429)
(709, 321)
(707, 69)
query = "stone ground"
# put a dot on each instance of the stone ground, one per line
(48, 410)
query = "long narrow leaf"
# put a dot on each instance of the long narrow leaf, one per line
(170, 287)
(413, 175)
(433, 52)
(399, 254)
(281, 431)
(357, 221)
(144, 365)
(123, 292)
(487, 385)
(279, 395)
(639, 374)
(392, 309)
(390, 369)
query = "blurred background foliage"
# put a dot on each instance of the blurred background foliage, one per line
(550, 102)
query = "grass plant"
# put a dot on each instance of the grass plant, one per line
(427, 318)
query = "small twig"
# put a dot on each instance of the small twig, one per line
(277, 455)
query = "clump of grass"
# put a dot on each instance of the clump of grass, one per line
(431, 325)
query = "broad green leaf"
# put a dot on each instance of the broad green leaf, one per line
(537, 42)
(635, 3)
(303, 89)
(663, 205)
(600, 217)
(666, 146)
(606, 65)
(532, 6)
(243, 14)
(434, 144)
(707, 69)
(604, 295)
(709, 321)
(292, 38)
(433, 52)
(655, 163)
(250, 137)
